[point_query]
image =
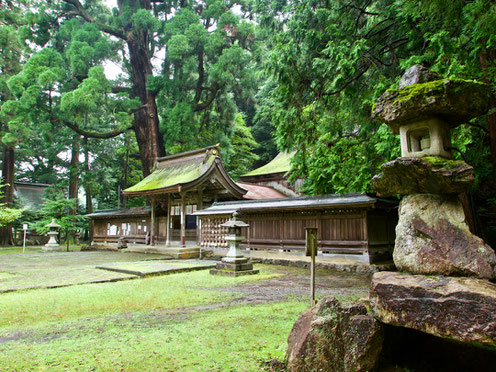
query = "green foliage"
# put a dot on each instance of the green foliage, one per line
(209, 67)
(330, 61)
(57, 207)
(8, 215)
(239, 157)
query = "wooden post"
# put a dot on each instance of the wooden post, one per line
(198, 220)
(183, 220)
(311, 250)
(152, 228)
(168, 229)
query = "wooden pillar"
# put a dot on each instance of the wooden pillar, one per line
(168, 229)
(183, 220)
(152, 228)
(91, 227)
(198, 219)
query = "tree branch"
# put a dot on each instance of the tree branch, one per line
(349, 81)
(117, 89)
(90, 134)
(210, 99)
(81, 12)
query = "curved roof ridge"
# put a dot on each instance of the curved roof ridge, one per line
(280, 164)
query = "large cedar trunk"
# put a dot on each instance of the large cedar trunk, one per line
(87, 186)
(74, 171)
(150, 142)
(8, 191)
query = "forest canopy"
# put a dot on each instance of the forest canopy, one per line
(256, 76)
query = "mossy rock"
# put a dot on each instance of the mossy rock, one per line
(455, 101)
(334, 336)
(427, 175)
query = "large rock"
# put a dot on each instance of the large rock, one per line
(455, 101)
(334, 337)
(461, 309)
(429, 175)
(432, 237)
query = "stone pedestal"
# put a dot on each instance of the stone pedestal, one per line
(237, 268)
(432, 237)
(52, 245)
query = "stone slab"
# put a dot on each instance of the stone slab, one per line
(233, 273)
(461, 309)
(234, 266)
(157, 267)
(455, 101)
(428, 175)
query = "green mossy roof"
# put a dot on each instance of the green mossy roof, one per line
(280, 164)
(174, 174)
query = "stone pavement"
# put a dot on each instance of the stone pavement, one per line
(345, 264)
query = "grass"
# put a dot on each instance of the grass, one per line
(162, 292)
(35, 249)
(229, 339)
(167, 323)
(190, 321)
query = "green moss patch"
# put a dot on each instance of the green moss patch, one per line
(280, 164)
(440, 162)
(173, 175)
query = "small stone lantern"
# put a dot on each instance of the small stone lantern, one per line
(52, 244)
(234, 263)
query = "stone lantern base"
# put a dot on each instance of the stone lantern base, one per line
(237, 268)
(51, 248)
(52, 245)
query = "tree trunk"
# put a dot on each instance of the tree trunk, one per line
(87, 186)
(126, 171)
(8, 191)
(150, 142)
(74, 172)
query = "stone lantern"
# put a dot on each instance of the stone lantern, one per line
(52, 244)
(432, 236)
(234, 263)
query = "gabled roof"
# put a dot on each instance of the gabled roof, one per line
(280, 164)
(291, 204)
(260, 192)
(122, 212)
(180, 172)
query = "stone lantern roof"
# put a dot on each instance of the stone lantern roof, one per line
(455, 101)
(234, 222)
(53, 224)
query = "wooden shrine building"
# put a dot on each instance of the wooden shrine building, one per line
(274, 174)
(353, 224)
(190, 195)
(179, 185)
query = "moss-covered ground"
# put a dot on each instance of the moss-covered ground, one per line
(183, 322)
